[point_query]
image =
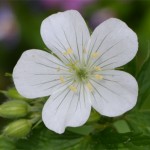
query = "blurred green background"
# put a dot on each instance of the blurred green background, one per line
(20, 22)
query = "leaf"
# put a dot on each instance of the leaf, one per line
(144, 84)
(111, 139)
(141, 140)
(121, 126)
(44, 139)
(6, 144)
(139, 121)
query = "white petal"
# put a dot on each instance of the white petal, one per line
(115, 43)
(65, 30)
(115, 94)
(37, 74)
(66, 108)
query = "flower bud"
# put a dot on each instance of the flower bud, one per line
(14, 109)
(18, 129)
(12, 93)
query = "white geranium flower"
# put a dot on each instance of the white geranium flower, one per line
(84, 74)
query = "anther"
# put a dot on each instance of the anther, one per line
(73, 88)
(62, 79)
(99, 77)
(68, 51)
(97, 68)
(95, 54)
(90, 87)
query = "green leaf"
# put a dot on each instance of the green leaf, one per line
(141, 140)
(139, 121)
(44, 139)
(111, 139)
(144, 84)
(6, 144)
(121, 126)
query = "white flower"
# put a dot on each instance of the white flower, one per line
(84, 74)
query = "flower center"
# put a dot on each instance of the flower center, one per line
(80, 71)
(82, 74)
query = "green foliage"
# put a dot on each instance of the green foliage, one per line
(6, 144)
(139, 121)
(12, 94)
(14, 109)
(43, 139)
(144, 84)
(18, 129)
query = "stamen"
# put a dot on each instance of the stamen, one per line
(73, 88)
(97, 68)
(99, 77)
(95, 54)
(72, 66)
(90, 87)
(68, 51)
(62, 79)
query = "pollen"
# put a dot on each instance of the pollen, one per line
(95, 54)
(90, 87)
(68, 51)
(97, 68)
(73, 88)
(99, 77)
(62, 80)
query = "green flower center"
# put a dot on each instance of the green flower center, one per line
(82, 74)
